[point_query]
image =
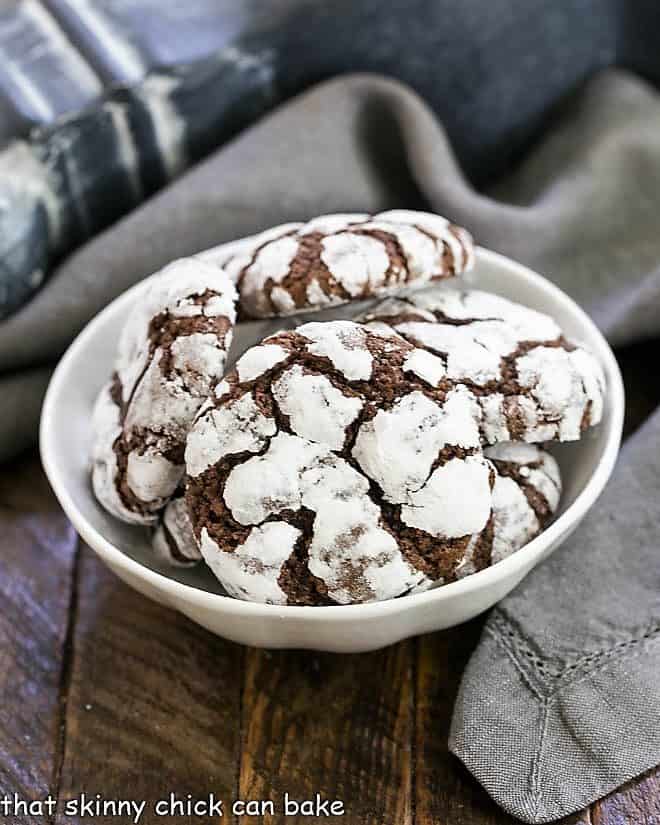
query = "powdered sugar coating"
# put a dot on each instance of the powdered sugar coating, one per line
(316, 409)
(350, 552)
(472, 352)
(218, 432)
(283, 303)
(271, 262)
(152, 477)
(536, 466)
(457, 238)
(171, 351)
(427, 366)
(258, 360)
(455, 501)
(514, 521)
(106, 426)
(476, 305)
(525, 496)
(529, 381)
(233, 257)
(173, 540)
(316, 297)
(355, 557)
(381, 480)
(327, 224)
(494, 425)
(251, 572)
(562, 387)
(358, 262)
(398, 446)
(344, 343)
(335, 258)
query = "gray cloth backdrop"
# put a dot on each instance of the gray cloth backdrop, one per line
(561, 700)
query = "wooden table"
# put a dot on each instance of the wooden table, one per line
(102, 691)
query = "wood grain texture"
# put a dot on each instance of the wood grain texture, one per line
(153, 702)
(636, 803)
(444, 790)
(36, 567)
(580, 818)
(104, 691)
(336, 725)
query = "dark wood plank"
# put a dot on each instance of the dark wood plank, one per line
(36, 569)
(340, 726)
(580, 818)
(637, 803)
(444, 790)
(153, 704)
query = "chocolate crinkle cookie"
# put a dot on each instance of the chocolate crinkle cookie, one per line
(337, 464)
(525, 497)
(530, 382)
(171, 352)
(333, 259)
(173, 541)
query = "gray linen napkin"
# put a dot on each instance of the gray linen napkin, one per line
(582, 208)
(560, 703)
(76, 175)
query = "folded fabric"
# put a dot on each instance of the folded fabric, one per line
(22, 394)
(582, 208)
(82, 171)
(306, 159)
(560, 703)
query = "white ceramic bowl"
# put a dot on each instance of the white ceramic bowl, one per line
(65, 441)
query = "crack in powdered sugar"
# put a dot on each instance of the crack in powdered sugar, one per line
(171, 351)
(337, 258)
(341, 515)
(529, 381)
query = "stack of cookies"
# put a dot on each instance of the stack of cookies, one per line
(342, 461)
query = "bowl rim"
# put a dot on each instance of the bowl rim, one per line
(486, 578)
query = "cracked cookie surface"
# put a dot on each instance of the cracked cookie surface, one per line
(526, 496)
(334, 259)
(532, 384)
(329, 468)
(171, 352)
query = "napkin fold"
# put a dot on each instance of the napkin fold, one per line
(560, 703)
(582, 207)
